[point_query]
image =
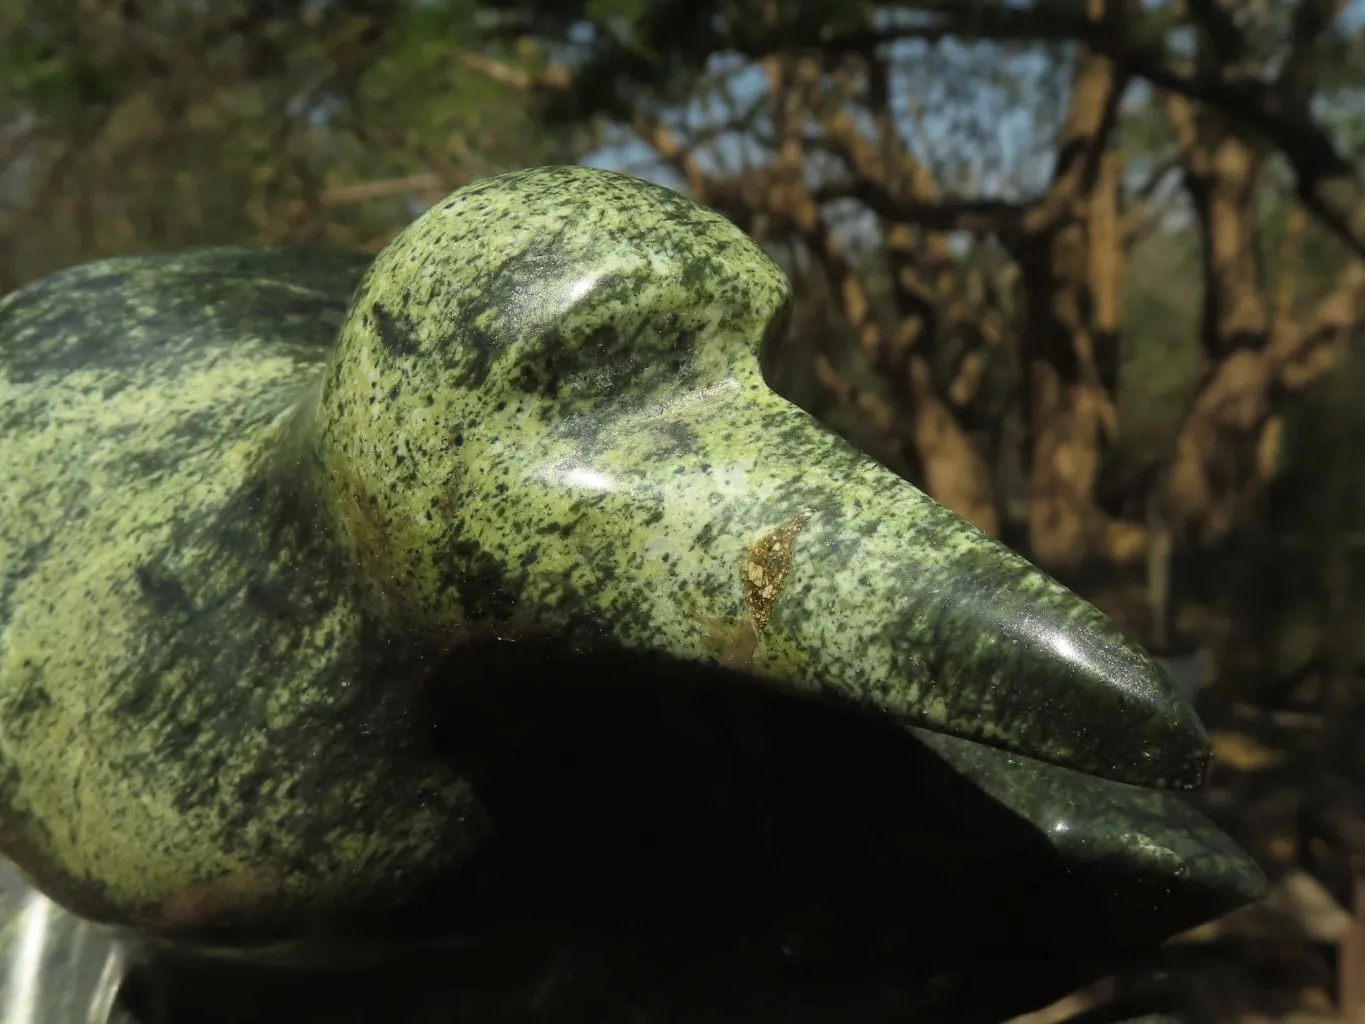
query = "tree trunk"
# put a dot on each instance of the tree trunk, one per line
(1071, 258)
(956, 474)
(953, 471)
(1214, 475)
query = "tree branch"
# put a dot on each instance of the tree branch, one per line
(677, 155)
(1299, 74)
(981, 217)
(1302, 352)
(1327, 183)
(1226, 40)
(360, 192)
(554, 77)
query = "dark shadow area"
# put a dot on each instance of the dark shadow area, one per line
(676, 846)
(1161, 1006)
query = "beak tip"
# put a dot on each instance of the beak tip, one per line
(1156, 736)
(1169, 750)
(1110, 710)
(1173, 747)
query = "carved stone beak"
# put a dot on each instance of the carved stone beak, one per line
(546, 416)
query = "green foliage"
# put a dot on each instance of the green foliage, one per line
(57, 83)
(421, 104)
(160, 124)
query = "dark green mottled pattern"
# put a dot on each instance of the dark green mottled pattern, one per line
(189, 726)
(546, 415)
(234, 549)
(1148, 837)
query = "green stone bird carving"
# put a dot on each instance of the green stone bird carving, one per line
(260, 507)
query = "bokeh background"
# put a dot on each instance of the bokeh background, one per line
(1091, 272)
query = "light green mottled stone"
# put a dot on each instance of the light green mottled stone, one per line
(235, 551)
(546, 415)
(195, 721)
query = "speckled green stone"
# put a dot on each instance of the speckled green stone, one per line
(546, 415)
(195, 717)
(245, 528)
(1158, 847)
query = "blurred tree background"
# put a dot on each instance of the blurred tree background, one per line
(1089, 271)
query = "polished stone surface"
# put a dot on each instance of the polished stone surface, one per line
(488, 587)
